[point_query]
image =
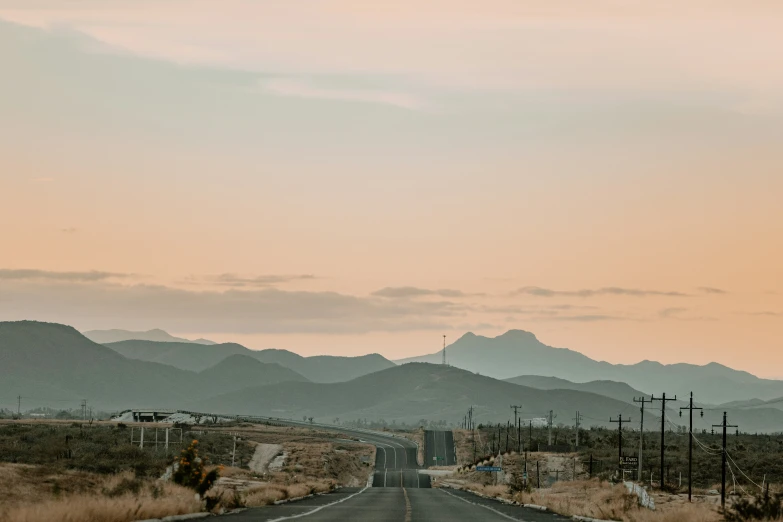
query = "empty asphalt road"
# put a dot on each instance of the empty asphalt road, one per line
(439, 448)
(394, 505)
(399, 493)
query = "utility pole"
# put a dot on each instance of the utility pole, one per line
(577, 419)
(444, 350)
(516, 409)
(508, 428)
(549, 423)
(690, 409)
(663, 429)
(19, 406)
(642, 401)
(519, 435)
(723, 462)
(620, 421)
(530, 436)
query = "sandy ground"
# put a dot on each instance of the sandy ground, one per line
(263, 455)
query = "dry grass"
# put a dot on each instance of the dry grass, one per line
(271, 493)
(463, 443)
(35, 495)
(601, 500)
(596, 499)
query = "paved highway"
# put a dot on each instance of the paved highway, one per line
(399, 493)
(439, 448)
(394, 505)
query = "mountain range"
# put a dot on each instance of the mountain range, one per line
(193, 357)
(115, 336)
(54, 365)
(517, 352)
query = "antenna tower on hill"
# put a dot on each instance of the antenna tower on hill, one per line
(444, 350)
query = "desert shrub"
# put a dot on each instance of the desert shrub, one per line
(762, 507)
(191, 471)
(125, 486)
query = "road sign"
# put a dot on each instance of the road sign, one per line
(626, 460)
(488, 468)
(437, 458)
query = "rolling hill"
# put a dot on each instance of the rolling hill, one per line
(412, 392)
(616, 390)
(54, 365)
(242, 371)
(517, 352)
(115, 336)
(194, 357)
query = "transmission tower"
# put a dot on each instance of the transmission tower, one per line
(444, 350)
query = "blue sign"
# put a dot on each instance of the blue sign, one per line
(488, 468)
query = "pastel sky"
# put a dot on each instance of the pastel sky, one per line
(351, 177)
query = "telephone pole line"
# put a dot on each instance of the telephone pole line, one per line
(620, 422)
(663, 429)
(690, 409)
(723, 462)
(19, 406)
(516, 409)
(549, 425)
(642, 401)
(577, 420)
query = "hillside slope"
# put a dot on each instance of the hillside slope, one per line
(615, 390)
(242, 371)
(193, 357)
(54, 365)
(410, 393)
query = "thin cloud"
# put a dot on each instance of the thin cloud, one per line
(609, 290)
(677, 314)
(587, 318)
(298, 88)
(237, 281)
(671, 312)
(245, 311)
(711, 290)
(407, 292)
(27, 274)
(763, 313)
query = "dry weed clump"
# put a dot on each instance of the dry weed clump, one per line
(154, 501)
(601, 500)
(271, 493)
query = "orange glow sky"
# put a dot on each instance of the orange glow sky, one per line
(352, 177)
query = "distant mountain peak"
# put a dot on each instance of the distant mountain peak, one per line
(518, 335)
(156, 334)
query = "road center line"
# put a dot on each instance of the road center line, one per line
(319, 508)
(408, 509)
(481, 505)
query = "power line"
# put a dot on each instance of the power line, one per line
(690, 409)
(723, 425)
(642, 401)
(620, 421)
(740, 470)
(663, 429)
